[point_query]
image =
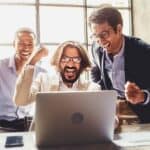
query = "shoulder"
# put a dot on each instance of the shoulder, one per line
(48, 77)
(4, 60)
(93, 86)
(89, 85)
(135, 42)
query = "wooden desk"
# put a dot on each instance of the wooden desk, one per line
(131, 137)
(125, 113)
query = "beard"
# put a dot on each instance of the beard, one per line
(70, 76)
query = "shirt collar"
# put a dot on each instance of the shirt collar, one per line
(121, 53)
(11, 63)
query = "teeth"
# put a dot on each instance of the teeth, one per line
(70, 70)
(106, 45)
(25, 53)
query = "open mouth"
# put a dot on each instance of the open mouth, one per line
(106, 45)
(70, 72)
(26, 54)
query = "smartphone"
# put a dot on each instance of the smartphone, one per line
(14, 141)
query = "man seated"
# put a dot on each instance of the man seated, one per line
(13, 117)
(69, 60)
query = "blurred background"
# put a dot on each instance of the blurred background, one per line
(56, 21)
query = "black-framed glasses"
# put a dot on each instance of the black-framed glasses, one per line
(66, 59)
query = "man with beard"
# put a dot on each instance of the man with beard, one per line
(70, 60)
(120, 62)
(13, 117)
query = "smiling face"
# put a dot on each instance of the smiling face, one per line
(107, 37)
(70, 65)
(24, 45)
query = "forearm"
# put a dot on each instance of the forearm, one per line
(22, 94)
(96, 75)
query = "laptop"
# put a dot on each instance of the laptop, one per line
(78, 117)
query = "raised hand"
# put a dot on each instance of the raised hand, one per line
(37, 55)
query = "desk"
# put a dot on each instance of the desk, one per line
(131, 137)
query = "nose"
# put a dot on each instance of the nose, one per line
(26, 47)
(70, 63)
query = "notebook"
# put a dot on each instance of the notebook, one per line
(78, 117)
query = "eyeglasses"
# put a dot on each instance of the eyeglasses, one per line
(66, 59)
(103, 35)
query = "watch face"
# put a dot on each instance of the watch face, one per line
(77, 118)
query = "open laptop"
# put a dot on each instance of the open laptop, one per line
(74, 117)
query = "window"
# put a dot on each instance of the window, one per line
(53, 21)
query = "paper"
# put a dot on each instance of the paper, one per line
(133, 139)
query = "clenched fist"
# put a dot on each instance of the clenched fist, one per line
(133, 93)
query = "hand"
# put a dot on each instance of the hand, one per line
(37, 55)
(133, 93)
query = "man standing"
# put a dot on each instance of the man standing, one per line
(11, 116)
(120, 62)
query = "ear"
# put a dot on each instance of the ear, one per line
(119, 28)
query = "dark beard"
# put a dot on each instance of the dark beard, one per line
(69, 81)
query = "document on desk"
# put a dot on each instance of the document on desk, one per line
(133, 139)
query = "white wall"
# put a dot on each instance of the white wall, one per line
(141, 19)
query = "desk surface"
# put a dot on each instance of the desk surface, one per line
(131, 137)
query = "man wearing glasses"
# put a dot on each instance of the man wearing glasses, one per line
(69, 60)
(120, 62)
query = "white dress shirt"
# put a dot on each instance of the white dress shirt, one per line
(8, 76)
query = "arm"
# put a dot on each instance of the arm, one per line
(137, 60)
(24, 92)
(22, 95)
(138, 101)
(95, 71)
(96, 74)
(135, 95)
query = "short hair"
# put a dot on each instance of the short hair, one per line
(85, 62)
(106, 14)
(26, 30)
